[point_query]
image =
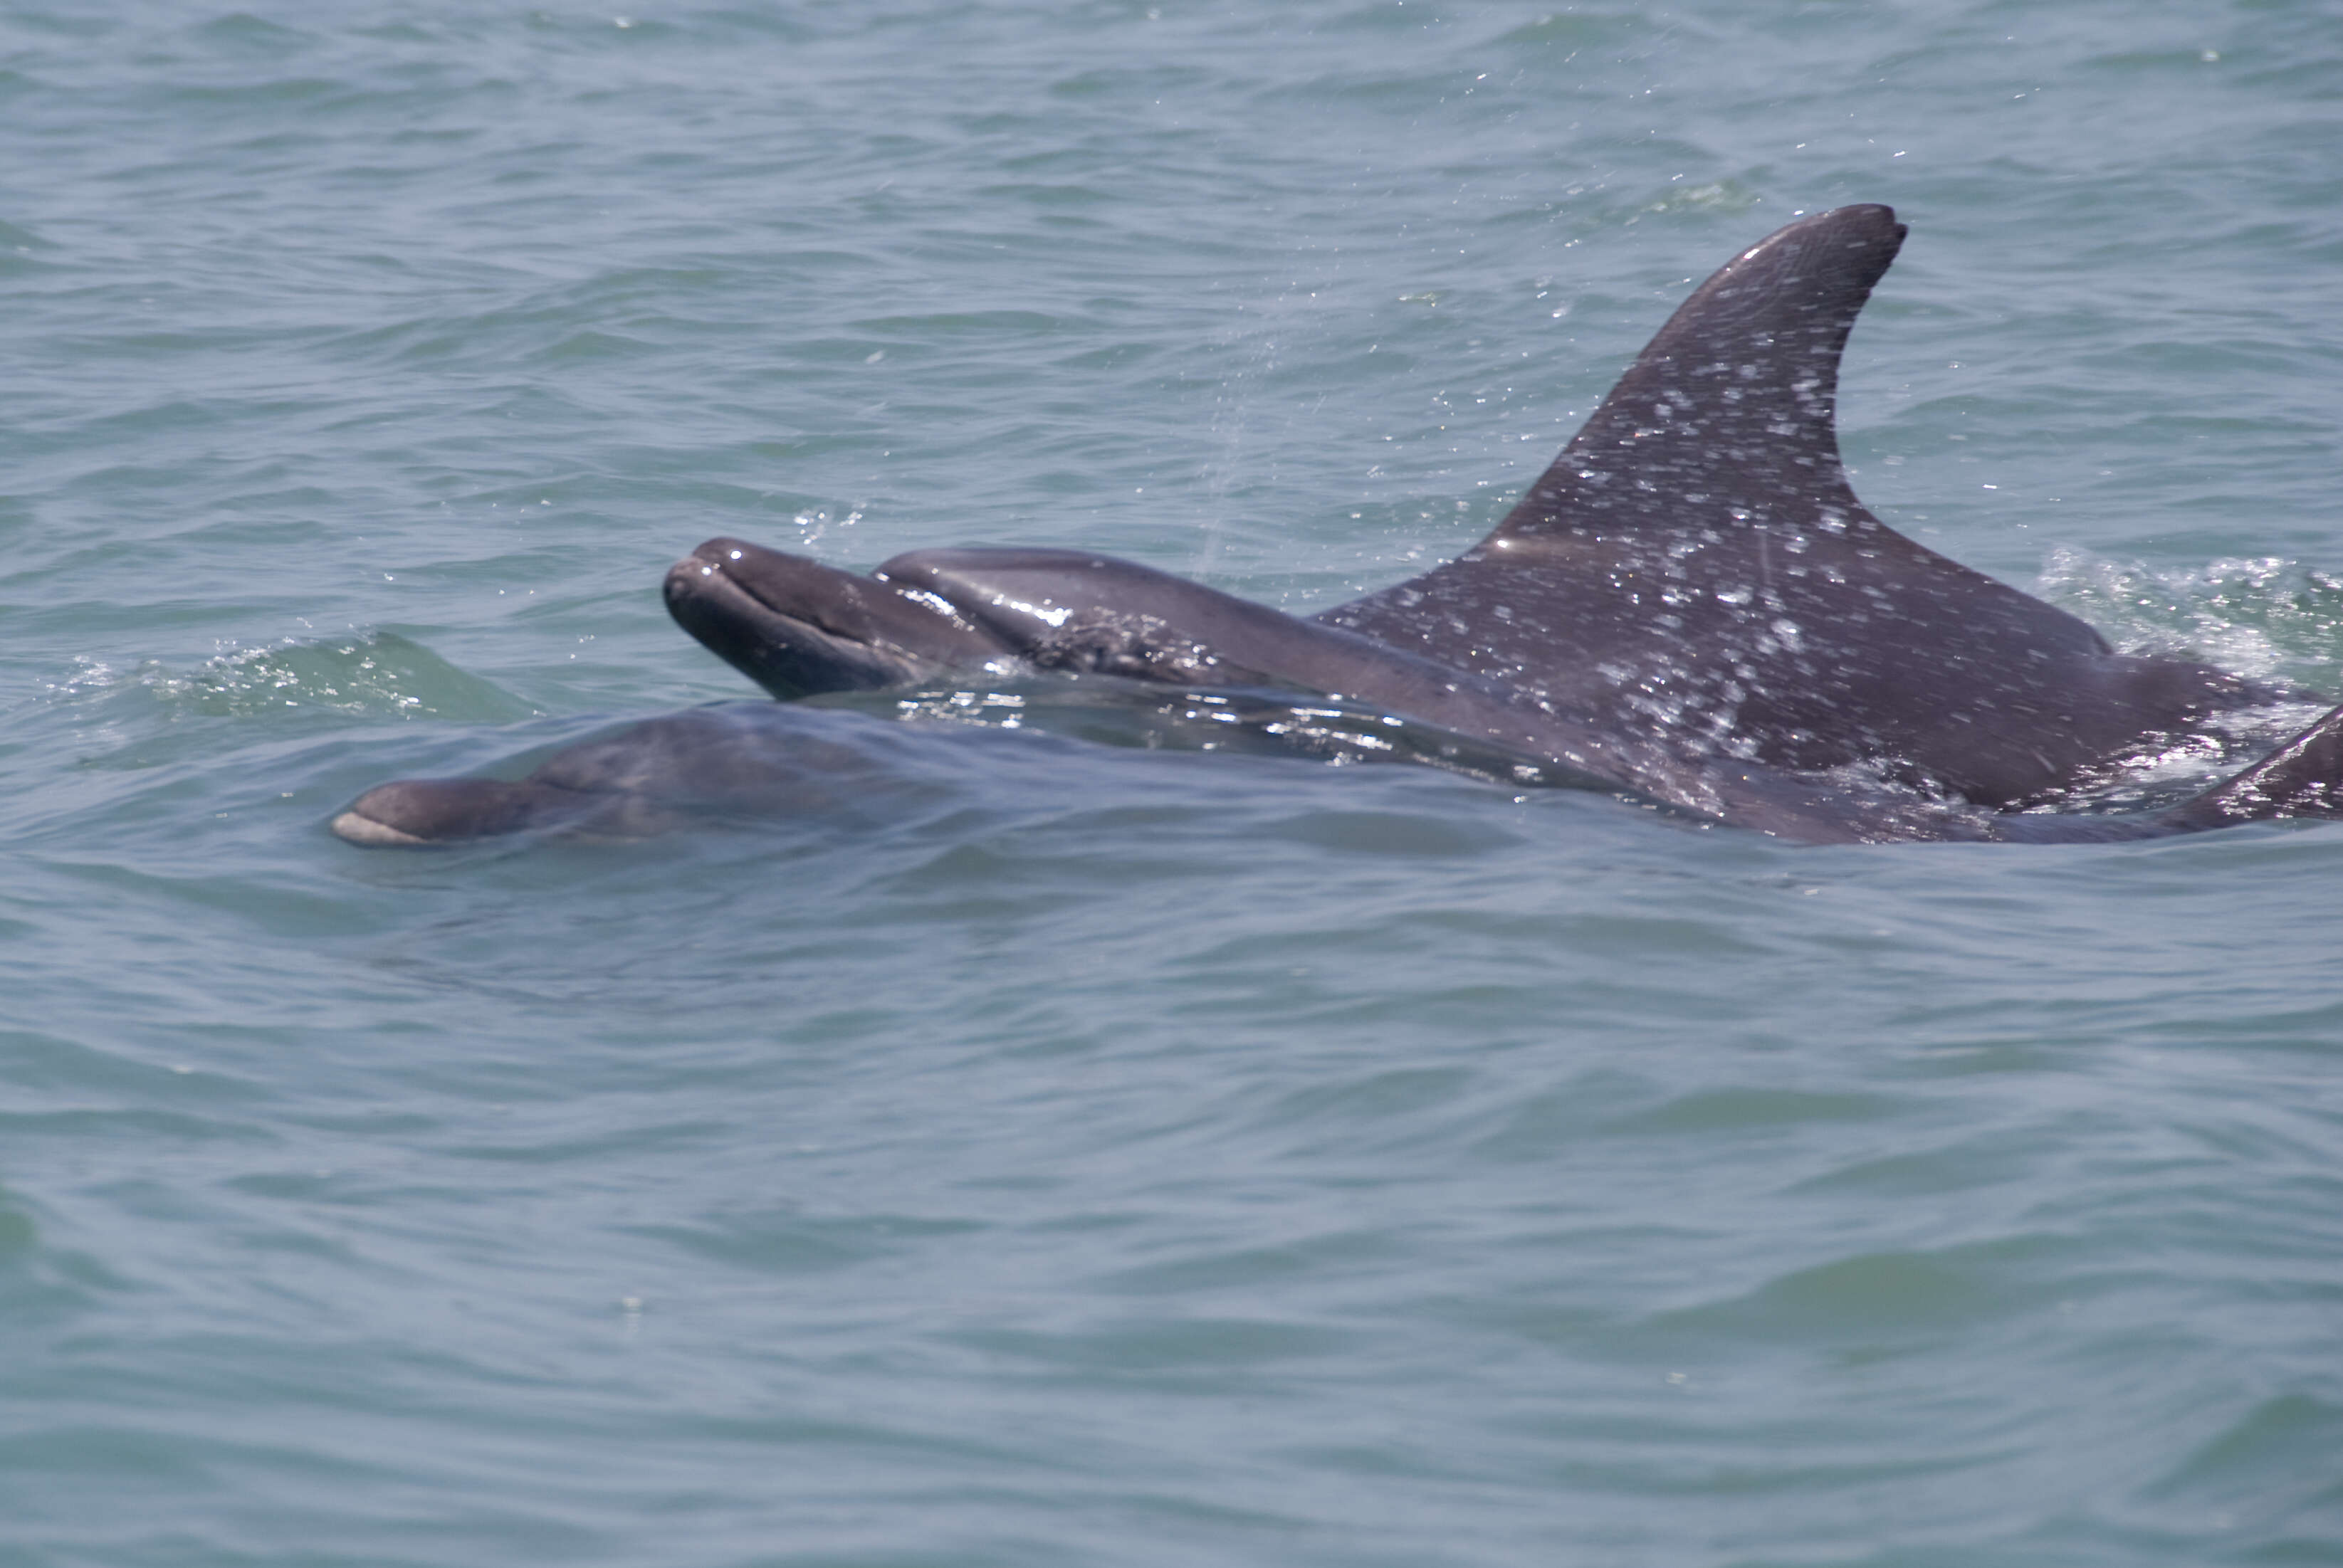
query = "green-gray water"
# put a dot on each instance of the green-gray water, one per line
(1121, 1158)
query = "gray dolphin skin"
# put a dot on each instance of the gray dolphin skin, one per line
(1690, 608)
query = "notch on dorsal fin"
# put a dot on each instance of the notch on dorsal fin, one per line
(1732, 402)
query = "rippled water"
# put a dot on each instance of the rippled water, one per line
(1066, 1152)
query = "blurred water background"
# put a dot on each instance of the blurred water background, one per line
(1121, 1158)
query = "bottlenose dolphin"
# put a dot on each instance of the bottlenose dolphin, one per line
(1690, 606)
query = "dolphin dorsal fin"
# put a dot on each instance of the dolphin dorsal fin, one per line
(1735, 398)
(1696, 562)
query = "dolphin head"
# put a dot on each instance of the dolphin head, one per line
(796, 627)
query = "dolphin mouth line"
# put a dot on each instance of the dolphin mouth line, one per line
(701, 575)
(354, 826)
(799, 628)
(696, 577)
(721, 607)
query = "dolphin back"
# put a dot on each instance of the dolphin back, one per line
(1696, 563)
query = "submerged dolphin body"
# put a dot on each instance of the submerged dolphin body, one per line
(1690, 605)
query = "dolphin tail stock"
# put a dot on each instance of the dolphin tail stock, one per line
(2303, 778)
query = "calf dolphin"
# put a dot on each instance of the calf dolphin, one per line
(1690, 605)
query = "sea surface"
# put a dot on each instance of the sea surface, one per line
(1079, 1153)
